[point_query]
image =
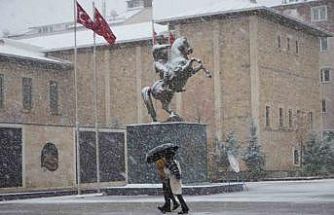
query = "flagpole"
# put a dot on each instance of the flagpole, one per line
(152, 20)
(76, 101)
(95, 104)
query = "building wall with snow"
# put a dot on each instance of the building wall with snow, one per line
(288, 82)
(250, 73)
(35, 127)
(304, 12)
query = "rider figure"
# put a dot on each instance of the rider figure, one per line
(160, 55)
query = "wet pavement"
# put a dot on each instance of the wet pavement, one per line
(277, 198)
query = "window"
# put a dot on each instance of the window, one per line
(27, 93)
(323, 43)
(2, 93)
(279, 41)
(267, 116)
(319, 13)
(323, 106)
(289, 1)
(290, 118)
(310, 119)
(135, 3)
(281, 122)
(297, 46)
(298, 113)
(288, 43)
(53, 97)
(325, 74)
(296, 157)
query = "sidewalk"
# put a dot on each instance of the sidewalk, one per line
(130, 190)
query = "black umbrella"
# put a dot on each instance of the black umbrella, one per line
(160, 151)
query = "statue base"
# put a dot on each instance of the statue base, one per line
(192, 153)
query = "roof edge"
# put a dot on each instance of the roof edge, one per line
(314, 30)
(97, 45)
(60, 64)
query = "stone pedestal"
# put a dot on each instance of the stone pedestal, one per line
(192, 154)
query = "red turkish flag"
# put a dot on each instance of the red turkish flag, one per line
(102, 28)
(83, 18)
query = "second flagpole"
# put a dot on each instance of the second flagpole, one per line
(95, 107)
(77, 144)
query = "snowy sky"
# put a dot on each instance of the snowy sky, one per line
(18, 15)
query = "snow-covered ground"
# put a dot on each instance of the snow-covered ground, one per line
(279, 191)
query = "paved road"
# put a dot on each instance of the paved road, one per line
(277, 198)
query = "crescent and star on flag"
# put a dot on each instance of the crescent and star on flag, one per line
(99, 26)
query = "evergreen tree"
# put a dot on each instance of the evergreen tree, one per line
(329, 161)
(253, 157)
(316, 156)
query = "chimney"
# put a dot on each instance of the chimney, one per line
(253, 1)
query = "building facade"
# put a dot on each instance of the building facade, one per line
(38, 126)
(262, 64)
(260, 73)
(262, 67)
(36, 110)
(321, 14)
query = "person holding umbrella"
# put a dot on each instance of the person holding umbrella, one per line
(168, 168)
(173, 172)
(168, 195)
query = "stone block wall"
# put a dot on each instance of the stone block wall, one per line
(288, 80)
(13, 112)
(35, 176)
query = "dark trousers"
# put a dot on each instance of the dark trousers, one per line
(184, 206)
(168, 195)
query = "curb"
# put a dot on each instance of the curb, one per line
(206, 189)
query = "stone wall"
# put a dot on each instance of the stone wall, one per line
(253, 73)
(288, 80)
(248, 73)
(122, 71)
(34, 138)
(41, 75)
(303, 11)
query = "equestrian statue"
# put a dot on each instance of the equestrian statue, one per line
(174, 73)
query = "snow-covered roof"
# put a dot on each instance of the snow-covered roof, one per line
(17, 49)
(124, 33)
(178, 8)
(240, 6)
(172, 11)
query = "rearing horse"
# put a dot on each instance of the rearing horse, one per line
(174, 73)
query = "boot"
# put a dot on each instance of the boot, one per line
(176, 205)
(172, 197)
(184, 206)
(166, 207)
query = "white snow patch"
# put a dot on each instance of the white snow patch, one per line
(124, 33)
(9, 47)
(171, 9)
(287, 191)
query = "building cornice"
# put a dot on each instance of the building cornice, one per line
(262, 11)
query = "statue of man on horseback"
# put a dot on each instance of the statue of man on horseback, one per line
(173, 72)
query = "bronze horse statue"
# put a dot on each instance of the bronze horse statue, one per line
(174, 73)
